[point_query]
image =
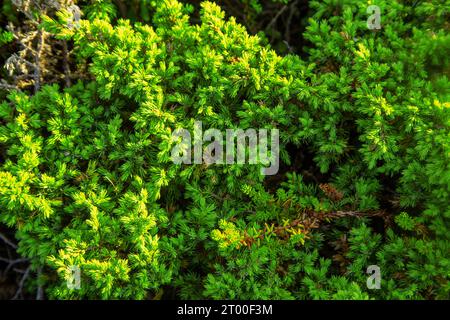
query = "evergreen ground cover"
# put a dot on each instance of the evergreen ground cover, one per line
(92, 91)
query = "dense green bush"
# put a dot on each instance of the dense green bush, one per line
(87, 180)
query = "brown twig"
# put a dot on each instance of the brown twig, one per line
(308, 220)
(40, 290)
(122, 8)
(7, 86)
(7, 241)
(37, 70)
(21, 284)
(66, 66)
(279, 13)
(292, 11)
(12, 263)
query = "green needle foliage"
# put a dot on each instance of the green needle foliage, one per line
(87, 180)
